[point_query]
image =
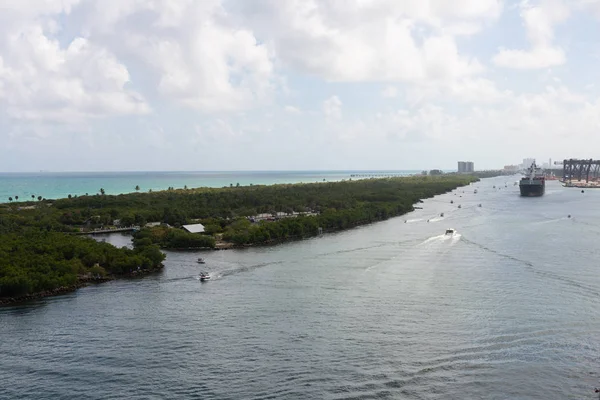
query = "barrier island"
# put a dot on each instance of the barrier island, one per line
(43, 247)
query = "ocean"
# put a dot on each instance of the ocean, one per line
(53, 185)
(506, 308)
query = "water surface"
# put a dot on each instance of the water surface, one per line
(506, 309)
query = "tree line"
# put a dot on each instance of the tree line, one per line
(35, 260)
(38, 251)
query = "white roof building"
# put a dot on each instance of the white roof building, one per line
(195, 228)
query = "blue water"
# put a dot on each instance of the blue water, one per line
(60, 184)
(508, 308)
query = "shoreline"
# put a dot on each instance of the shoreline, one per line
(81, 283)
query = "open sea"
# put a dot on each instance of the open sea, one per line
(507, 308)
(54, 185)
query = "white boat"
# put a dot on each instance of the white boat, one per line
(201, 261)
(204, 276)
(450, 231)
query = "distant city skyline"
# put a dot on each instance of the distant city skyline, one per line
(142, 85)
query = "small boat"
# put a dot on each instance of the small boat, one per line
(201, 261)
(450, 231)
(459, 206)
(204, 276)
(442, 214)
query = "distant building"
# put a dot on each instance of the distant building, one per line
(195, 228)
(511, 168)
(527, 162)
(465, 167)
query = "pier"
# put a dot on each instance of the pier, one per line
(98, 231)
(581, 171)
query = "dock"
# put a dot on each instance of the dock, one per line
(98, 231)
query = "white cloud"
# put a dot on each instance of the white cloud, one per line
(332, 107)
(40, 80)
(231, 79)
(351, 41)
(539, 23)
(202, 60)
(389, 92)
(537, 58)
(292, 110)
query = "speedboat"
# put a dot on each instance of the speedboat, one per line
(450, 231)
(201, 261)
(204, 276)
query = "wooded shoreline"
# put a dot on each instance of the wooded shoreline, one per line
(37, 255)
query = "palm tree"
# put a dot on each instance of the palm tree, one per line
(102, 191)
(69, 196)
(33, 197)
(137, 188)
(16, 198)
(39, 198)
(185, 187)
(10, 199)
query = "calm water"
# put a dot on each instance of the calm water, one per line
(507, 309)
(60, 184)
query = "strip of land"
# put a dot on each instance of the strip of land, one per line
(40, 253)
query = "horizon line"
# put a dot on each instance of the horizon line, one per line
(242, 170)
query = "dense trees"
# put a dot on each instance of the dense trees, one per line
(34, 260)
(173, 238)
(36, 254)
(337, 205)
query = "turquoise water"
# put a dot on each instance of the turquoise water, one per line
(61, 184)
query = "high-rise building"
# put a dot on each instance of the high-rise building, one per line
(527, 162)
(465, 167)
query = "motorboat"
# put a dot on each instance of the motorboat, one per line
(450, 231)
(204, 276)
(201, 261)
(442, 214)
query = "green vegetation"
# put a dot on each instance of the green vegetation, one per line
(34, 261)
(173, 238)
(39, 251)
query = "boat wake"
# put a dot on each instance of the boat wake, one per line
(454, 238)
(240, 269)
(436, 246)
(580, 288)
(436, 219)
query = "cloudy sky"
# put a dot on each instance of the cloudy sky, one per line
(296, 84)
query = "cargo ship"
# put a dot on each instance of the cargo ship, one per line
(534, 183)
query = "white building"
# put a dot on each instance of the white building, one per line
(465, 167)
(195, 228)
(527, 162)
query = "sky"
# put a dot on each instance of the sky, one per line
(111, 85)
